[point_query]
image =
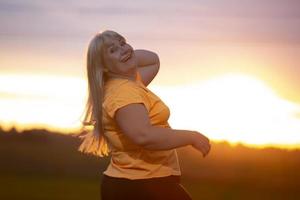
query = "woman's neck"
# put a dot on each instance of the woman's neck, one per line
(112, 75)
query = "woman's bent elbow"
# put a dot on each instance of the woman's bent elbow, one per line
(143, 138)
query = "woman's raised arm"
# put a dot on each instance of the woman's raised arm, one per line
(148, 65)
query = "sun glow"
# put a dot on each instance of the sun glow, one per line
(41, 101)
(234, 107)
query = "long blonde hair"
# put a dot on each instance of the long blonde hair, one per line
(94, 141)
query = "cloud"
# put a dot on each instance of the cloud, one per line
(53, 29)
(17, 7)
(253, 9)
(233, 21)
(297, 114)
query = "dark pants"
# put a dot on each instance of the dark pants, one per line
(161, 188)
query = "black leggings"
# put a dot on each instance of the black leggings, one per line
(161, 188)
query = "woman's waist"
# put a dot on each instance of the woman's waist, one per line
(144, 156)
(162, 179)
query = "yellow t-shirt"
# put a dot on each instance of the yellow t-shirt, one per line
(129, 160)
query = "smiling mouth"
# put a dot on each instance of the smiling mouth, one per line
(127, 57)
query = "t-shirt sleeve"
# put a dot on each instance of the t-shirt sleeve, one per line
(124, 96)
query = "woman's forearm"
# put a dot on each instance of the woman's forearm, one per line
(160, 138)
(148, 65)
(146, 58)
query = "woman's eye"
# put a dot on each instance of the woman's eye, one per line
(112, 50)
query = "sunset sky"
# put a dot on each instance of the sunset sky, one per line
(229, 68)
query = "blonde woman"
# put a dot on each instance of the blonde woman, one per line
(130, 122)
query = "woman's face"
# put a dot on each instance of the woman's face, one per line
(119, 57)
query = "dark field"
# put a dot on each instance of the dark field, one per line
(38, 165)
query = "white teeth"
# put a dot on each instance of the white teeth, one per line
(127, 58)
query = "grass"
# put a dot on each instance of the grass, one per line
(27, 187)
(236, 191)
(48, 188)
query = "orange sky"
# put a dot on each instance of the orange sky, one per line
(198, 43)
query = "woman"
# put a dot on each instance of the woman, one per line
(132, 123)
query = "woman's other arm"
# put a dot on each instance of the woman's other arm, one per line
(148, 65)
(134, 122)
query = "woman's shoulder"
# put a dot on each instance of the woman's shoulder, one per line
(124, 84)
(121, 87)
(119, 84)
(123, 93)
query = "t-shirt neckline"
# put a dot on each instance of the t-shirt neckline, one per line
(137, 79)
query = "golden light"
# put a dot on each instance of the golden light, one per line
(41, 101)
(234, 107)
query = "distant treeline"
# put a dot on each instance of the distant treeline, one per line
(47, 153)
